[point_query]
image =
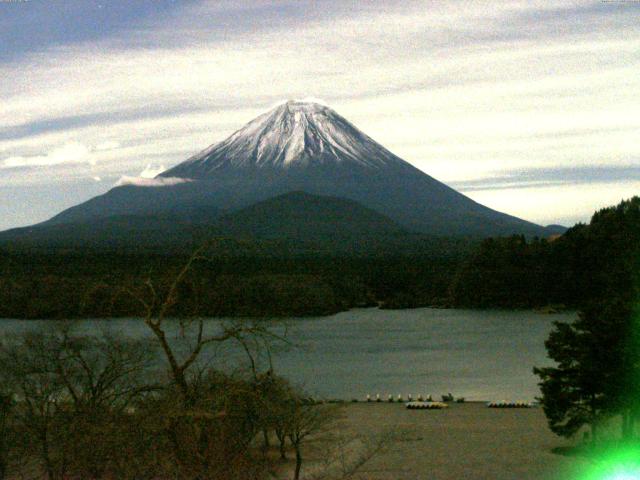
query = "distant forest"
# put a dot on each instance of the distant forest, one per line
(244, 279)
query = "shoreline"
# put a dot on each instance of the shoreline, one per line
(467, 440)
(543, 311)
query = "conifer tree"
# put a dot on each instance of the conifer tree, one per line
(597, 372)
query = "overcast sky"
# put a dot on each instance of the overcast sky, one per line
(529, 107)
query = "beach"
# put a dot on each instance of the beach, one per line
(463, 441)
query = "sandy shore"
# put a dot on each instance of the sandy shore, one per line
(465, 441)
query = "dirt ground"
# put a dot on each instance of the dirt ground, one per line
(465, 441)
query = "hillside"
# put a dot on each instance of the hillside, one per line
(291, 223)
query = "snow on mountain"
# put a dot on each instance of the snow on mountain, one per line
(295, 133)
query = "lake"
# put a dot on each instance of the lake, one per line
(480, 355)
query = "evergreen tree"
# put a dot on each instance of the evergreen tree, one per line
(589, 382)
(598, 356)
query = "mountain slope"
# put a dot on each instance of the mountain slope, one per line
(306, 147)
(310, 218)
(298, 221)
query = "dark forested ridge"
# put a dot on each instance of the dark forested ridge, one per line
(294, 254)
(292, 223)
(277, 277)
(569, 270)
(90, 284)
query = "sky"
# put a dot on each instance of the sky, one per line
(529, 107)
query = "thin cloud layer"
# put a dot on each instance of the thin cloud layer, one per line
(466, 94)
(69, 153)
(150, 182)
(150, 171)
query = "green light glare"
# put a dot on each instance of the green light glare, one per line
(621, 463)
(628, 475)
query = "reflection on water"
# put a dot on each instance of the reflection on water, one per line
(481, 355)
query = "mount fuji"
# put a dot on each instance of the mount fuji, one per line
(300, 147)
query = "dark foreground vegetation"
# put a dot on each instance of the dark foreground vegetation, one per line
(78, 406)
(594, 388)
(274, 278)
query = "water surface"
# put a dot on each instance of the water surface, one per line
(481, 355)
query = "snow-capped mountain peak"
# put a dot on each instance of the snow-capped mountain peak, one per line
(302, 146)
(295, 133)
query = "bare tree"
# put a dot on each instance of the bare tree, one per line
(306, 419)
(157, 307)
(26, 369)
(199, 426)
(71, 391)
(104, 377)
(270, 390)
(346, 456)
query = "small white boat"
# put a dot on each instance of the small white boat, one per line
(505, 404)
(426, 405)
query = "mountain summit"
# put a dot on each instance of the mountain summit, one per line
(303, 147)
(293, 134)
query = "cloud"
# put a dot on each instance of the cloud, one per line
(548, 177)
(151, 172)
(69, 153)
(562, 204)
(108, 145)
(150, 182)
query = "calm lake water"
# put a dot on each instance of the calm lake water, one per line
(481, 355)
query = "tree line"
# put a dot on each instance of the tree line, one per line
(254, 280)
(86, 284)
